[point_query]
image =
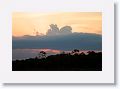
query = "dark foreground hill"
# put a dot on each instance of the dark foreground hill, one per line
(61, 62)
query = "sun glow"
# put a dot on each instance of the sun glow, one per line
(28, 23)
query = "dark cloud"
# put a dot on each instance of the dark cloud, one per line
(82, 41)
(54, 30)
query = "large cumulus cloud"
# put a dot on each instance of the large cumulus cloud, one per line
(54, 30)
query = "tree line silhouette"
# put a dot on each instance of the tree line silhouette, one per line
(72, 61)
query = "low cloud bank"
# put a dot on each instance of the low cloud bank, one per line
(81, 41)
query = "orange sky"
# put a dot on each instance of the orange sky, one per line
(24, 23)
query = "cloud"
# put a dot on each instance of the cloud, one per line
(81, 41)
(66, 30)
(54, 30)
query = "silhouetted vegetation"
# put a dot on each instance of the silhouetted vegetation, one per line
(74, 61)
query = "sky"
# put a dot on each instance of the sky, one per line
(27, 23)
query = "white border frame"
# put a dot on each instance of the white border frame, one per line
(104, 76)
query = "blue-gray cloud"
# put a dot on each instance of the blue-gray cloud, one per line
(81, 41)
